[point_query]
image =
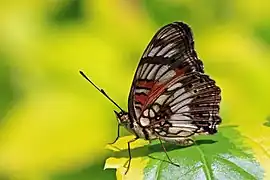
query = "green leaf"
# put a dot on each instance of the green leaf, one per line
(221, 156)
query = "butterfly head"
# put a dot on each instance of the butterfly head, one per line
(123, 118)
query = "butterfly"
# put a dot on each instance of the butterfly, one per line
(171, 98)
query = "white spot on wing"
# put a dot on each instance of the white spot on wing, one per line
(143, 69)
(153, 72)
(153, 51)
(165, 49)
(145, 113)
(171, 53)
(177, 130)
(183, 109)
(185, 132)
(179, 117)
(160, 100)
(174, 86)
(151, 113)
(162, 133)
(180, 104)
(167, 33)
(170, 74)
(179, 92)
(137, 112)
(144, 121)
(179, 125)
(147, 51)
(162, 70)
(174, 130)
(141, 91)
(182, 95)
(156, 107)
(146, 72)
(139, 71)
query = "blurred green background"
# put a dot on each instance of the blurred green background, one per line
(54, 125)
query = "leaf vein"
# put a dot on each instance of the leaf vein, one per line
(158, 170)
(237, 167)
(206, 167)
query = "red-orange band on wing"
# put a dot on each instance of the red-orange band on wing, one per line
(155, 87)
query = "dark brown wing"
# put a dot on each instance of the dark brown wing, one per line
(169, 59)
(188, 105)
(171, 50)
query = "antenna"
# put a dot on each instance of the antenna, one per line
(101, 90)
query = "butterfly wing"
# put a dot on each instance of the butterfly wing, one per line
(170, 60)
(170, 50)
(188, 105)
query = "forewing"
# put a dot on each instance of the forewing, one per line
(169, 54)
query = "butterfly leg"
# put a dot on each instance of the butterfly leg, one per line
(129, 153)
(167, 153)
(118, 134)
